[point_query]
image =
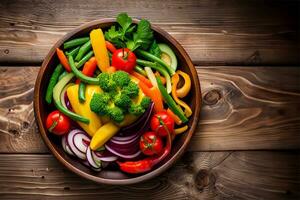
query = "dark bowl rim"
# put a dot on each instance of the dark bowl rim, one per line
(144, 177)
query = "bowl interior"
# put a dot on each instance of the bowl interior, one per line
(111, 175)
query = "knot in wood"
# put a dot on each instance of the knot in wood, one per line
(202, 179)
(212, 97)
(6, 51)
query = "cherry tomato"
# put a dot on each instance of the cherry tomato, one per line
(151, 144)
(58, 123)
(161, 123)
(124, 59)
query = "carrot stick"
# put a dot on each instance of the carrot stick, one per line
(142, 78)
(63, 59)
(110, 46)
(89, 68)
(175, 117)
(154, 94)
(111, 69)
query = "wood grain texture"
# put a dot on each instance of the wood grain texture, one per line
(243, 108)
(213, 32)
(209, 175)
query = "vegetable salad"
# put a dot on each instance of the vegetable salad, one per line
(119, 97)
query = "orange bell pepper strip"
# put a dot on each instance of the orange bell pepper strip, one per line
(176, 119)
(110, 46)
(154, 94)
(142, 78)
(175, 79)
(63, 59)
(89, 68)
(185, 89)
(99, 48)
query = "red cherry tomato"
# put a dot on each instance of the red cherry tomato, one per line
(58, 123)
(124, 59)
(151, 144)
(161, 123)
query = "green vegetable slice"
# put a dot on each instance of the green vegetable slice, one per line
(167, 50)
(75, 42)
(56, 97)
(81, 92)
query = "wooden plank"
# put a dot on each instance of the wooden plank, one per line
(243, 108)
(213, 32)
(200, 175)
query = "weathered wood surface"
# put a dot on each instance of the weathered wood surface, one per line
(213, 32)
(243, 108)
(207, 175)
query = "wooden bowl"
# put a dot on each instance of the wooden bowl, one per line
(113, 176)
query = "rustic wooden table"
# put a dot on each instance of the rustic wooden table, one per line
(246, 54)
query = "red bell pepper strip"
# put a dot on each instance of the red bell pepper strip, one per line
(89, 68)
(145, 165)
(63, 59)
(110, 46)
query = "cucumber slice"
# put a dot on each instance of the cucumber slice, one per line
(168, 55)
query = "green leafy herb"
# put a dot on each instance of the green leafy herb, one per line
(154, 49)
(114, 36)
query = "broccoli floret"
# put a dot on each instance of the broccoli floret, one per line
(136, 109)
(145, 102)
(121, 78)
(106, 83)
(116, 114)
(132, 90)
(99, 103)
(122, 100)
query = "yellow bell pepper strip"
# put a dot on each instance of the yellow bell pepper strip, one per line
(99, 48)
(187, 110)
(103, 134)
(181, 129)
(175, 117)
(185, 89)
(83, 109)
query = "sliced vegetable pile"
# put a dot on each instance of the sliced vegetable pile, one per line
(119, 97)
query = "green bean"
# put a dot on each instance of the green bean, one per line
(81, 92)
(73, 52)
(75, 42)
(84, 59)
(80, 75)
(83, 49)
(62, 74)
(140, 70)
(53, 80)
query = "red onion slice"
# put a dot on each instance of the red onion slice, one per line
(91, 160)
(80, 141)
(97, 157)
(65, 145)
(131, 156)
(74, 149)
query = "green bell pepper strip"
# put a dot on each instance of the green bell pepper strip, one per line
(53, 80)
(83, 49)
(75, 42)
(84, 59)
(140, 70)
(62, 74)
(171, 103)
(158, 68)
(56, 97)
(81, 92)
(80, 75)
(153, 58)
(73, 52)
